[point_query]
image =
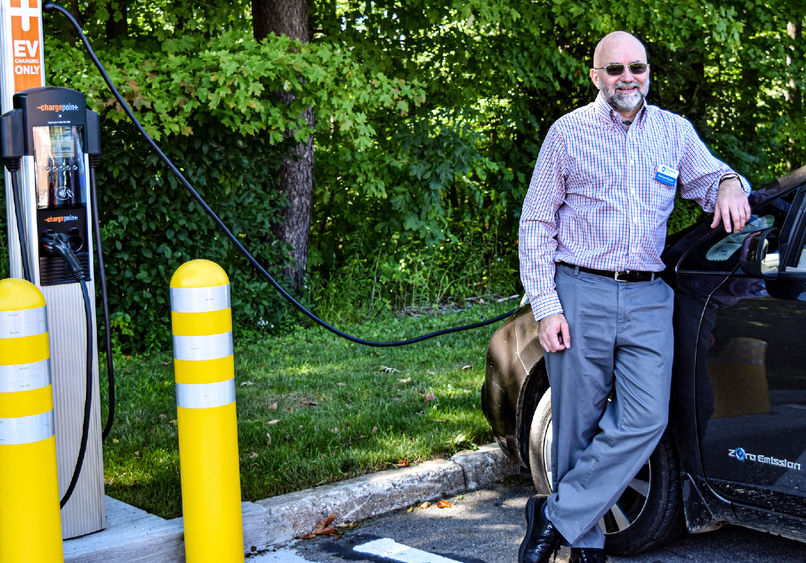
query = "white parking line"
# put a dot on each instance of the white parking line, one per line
(390, 549)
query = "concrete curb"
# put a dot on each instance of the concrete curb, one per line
(133, 535)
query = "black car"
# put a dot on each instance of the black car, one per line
(735, 448)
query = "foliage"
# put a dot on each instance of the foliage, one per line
(312, 408)
(210, 104)
(429, 120)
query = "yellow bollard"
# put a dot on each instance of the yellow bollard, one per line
(30, 517)
(205, 403)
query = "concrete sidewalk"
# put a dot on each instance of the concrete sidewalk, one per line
(133, 535)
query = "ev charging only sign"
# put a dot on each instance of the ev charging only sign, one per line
(21, 43)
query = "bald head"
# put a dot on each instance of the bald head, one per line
(621, 73)
(614, 43)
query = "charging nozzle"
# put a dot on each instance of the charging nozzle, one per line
(54, 243)
(11, 139)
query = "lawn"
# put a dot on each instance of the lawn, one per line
(312, 408)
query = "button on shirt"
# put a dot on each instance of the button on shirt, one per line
(595, 199)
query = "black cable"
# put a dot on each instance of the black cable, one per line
(58, 243)
(85, 428)
(50, 6)
(23, 239)
(110, 372)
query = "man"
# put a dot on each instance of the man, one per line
(591, 234)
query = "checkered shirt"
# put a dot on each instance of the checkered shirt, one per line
(594, 199)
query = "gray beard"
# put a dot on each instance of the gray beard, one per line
(627, 102)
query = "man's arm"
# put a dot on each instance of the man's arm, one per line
(537, 242)
(712, 183)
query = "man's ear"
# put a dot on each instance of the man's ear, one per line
(595, 78)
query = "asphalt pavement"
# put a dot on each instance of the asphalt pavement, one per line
(487, 525)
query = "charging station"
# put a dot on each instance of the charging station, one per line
(53, 134)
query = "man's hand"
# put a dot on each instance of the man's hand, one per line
(732, 207)
(553, 333)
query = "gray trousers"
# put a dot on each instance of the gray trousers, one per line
(622, 341)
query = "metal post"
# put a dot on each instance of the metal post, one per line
(30, 521)
(201, 319)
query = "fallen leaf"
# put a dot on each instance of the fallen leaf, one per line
(273, 406)
(404, 380)
(444, 504)
(268, 439)
(387, 369)
(402, 463)
(374, 429)
(430, 397)
(348, 526)
(275, 421)
(253, 455)
(335, 430)
(425, 504)
(468, 366)
(246, 383)
(323, 527)
(340, 384)
(163, 416)
(309, 403)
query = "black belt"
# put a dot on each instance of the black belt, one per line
(623, 276)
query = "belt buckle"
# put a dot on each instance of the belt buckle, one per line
(623, 276)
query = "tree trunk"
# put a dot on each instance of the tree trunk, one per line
(117, 26)
(290, 17)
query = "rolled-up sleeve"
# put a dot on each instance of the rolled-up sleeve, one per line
(537, 242)
(700, 171)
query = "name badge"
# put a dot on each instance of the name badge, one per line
(666, 175)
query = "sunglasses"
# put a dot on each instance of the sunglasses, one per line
(618, 69)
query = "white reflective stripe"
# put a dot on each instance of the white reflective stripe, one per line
(199, 299)
(26, 429)
(205, 395)
(390, 549)
(24, 322)
(24, 377)
(209, 347)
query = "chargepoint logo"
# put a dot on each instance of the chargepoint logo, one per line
(740, 454)
(57, 107)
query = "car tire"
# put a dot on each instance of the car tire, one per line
(650, 511)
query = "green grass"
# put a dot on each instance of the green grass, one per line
(333, 409)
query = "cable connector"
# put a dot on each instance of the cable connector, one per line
(58, 243)
(11, 139)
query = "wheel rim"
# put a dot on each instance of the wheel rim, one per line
(628, 507)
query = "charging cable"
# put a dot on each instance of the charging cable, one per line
(49, 7)
(59, 244)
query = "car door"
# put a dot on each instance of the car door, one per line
(749, 357)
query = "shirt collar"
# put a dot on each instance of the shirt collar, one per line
(610, 115)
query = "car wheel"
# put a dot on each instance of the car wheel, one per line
(648, 513)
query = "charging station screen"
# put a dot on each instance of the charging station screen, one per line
(59, 162)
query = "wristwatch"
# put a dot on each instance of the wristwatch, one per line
(731, 176)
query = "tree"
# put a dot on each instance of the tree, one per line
(290, 17)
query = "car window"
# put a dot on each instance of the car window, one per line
(724, 248)
(719, 252)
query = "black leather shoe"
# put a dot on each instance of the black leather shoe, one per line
(587, 555)
(542, 539)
